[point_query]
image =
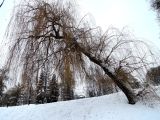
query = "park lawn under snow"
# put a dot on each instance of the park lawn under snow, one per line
(109, 107)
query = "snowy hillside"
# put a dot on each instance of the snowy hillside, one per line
(109, 107)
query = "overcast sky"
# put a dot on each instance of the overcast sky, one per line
(135, 15)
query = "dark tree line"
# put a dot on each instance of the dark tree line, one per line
(47, 91)
(18, 95)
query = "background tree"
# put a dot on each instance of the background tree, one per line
(48, 34)
(153, 75)
(3, 78)
(155, 4)
(53, 89)
(11, 96)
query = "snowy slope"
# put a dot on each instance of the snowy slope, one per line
(109, 107)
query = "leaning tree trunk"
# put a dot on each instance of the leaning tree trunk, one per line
(126, 88)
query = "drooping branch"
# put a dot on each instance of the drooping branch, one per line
(122, 85)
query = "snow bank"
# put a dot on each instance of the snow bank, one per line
(109, 107)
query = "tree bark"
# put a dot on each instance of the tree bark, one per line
(126, 88)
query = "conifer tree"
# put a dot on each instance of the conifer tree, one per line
(53, 90)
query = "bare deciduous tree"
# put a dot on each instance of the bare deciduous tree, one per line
(48, 34)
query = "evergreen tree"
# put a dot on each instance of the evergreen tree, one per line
(11, 96)
(3, 78)
(53, 89)
(153, 75)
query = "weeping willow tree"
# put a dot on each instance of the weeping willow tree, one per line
(47, 35)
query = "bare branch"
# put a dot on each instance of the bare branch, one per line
(2, 3)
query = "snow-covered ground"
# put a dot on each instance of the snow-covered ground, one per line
(109, 107)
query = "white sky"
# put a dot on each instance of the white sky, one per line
(136, 15)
